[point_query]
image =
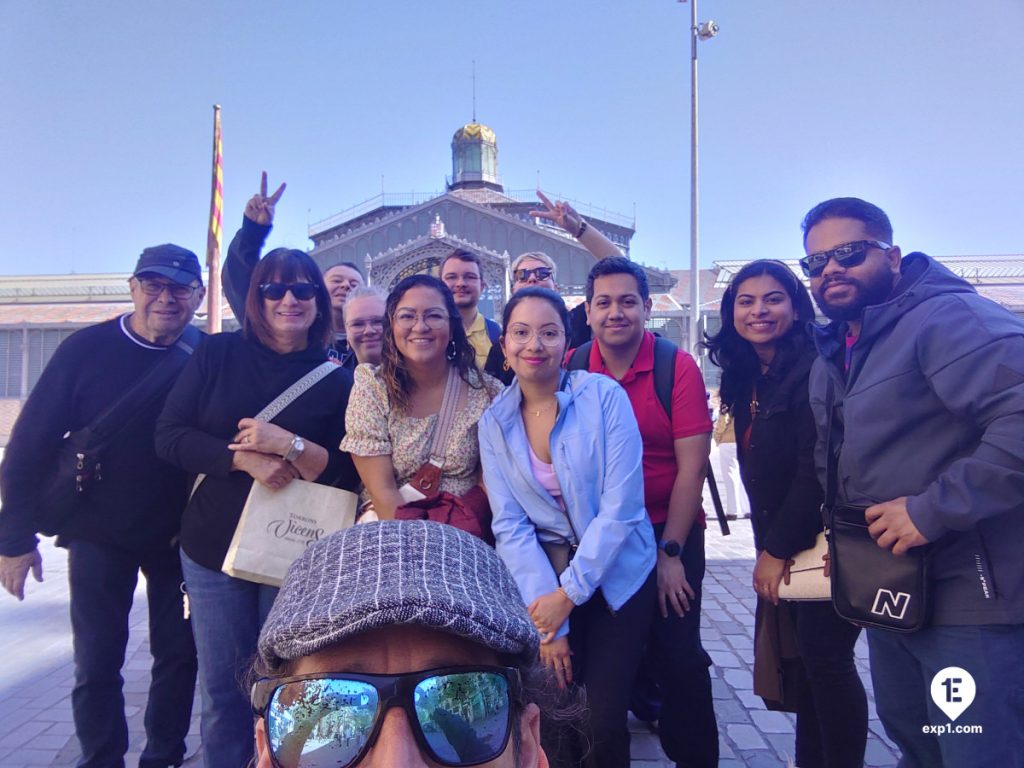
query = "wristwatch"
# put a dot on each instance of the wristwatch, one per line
(296, 449)
(670, 547)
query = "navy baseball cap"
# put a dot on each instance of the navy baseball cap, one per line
(170, 261)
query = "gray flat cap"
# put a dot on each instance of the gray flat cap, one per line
(397, 572)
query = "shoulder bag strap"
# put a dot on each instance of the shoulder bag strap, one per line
(446, 416)
(282, 401)
(147, 389)
(293, 392)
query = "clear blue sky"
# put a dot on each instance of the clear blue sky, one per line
(105, 116)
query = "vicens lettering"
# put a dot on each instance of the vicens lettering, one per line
(286, 528)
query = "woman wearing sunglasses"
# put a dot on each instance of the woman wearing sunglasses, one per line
(207, 427)
(765, 354)
(562, 457)
(395, 406)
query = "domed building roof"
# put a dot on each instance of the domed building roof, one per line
(474, 132)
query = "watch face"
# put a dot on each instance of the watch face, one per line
(671, 548)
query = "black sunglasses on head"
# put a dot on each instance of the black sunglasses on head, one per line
(459, 716)
(276, 291)
(846, 255)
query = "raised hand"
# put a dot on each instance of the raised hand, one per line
(260, 208)
(561, 214)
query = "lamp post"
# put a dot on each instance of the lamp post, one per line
(703, 31)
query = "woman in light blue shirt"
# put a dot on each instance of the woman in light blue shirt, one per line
(561, 455)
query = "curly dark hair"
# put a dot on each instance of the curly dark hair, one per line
(735, 355)
(287, 265)
(460, 352)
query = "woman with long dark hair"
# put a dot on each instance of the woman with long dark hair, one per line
(765, 355)
(395, 406)
(562, 464)
(208, 428)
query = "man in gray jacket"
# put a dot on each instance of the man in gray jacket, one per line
(928, 380)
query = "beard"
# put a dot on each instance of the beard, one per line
(875, 289)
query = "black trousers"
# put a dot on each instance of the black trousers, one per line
(673, 684)
(606, 649)
(832, 721)
(102, 581)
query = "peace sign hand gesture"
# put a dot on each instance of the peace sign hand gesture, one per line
(260, 208)
(561, 214)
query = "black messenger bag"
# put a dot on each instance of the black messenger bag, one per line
(871, 586)
(78, 464)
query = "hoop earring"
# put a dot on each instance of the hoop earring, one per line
(451, 350)
(504, 365)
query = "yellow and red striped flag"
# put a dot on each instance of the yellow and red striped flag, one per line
(213, 323)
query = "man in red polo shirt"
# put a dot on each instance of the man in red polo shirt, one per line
(674, 465)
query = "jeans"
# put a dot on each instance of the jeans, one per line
(227, 614)
(832, 722)
(102, 582)
(673, 684)
(902, 669)
(606, 649)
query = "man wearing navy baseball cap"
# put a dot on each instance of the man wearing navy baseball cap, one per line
(101, 394)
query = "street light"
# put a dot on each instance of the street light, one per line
(703, 31)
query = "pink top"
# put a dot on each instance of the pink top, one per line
(545, 474)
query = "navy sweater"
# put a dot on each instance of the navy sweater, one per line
(138, 504)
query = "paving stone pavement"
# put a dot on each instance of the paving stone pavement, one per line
(36, 674)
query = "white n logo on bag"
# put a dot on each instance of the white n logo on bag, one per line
(889, 604)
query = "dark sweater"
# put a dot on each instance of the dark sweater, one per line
(778, 469)
(138, 504)
(229, 379)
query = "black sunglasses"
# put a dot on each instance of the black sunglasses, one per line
(522, 275)
(460, 716)
(276, 291)
(846, 255)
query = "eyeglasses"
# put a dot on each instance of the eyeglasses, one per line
(432, 318)
(846, 255)
(156, 287)
(523, 334)
(459, 716)
(276, 291)
(541, 273)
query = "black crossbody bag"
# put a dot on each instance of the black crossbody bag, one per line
(871, 586)
(78, 464)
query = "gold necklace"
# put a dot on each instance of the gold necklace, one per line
(540, 412)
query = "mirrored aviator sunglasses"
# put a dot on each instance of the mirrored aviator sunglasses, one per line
(276, 291)
(459, 716)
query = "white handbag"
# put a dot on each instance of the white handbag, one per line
(807, 580)
(276, 527)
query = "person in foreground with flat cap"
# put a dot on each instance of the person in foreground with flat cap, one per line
(399, 643)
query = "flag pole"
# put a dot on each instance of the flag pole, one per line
(213, 291)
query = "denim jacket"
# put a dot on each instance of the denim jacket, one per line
(596, 452)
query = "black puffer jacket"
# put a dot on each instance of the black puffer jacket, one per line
(778, 470)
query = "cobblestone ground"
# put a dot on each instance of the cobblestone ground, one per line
(36, 673)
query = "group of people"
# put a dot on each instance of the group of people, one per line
(582, 448)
